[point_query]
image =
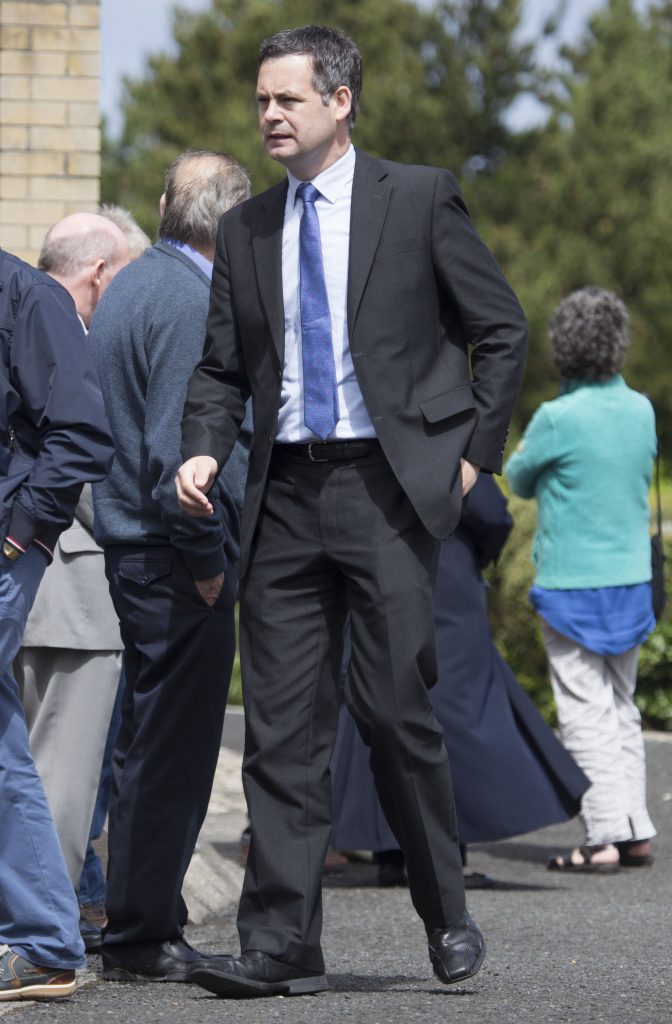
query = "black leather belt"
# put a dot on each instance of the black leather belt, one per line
(328, 451)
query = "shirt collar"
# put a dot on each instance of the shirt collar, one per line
(331, 182)
(199, 259)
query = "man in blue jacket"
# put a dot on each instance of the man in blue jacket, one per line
(54, 438)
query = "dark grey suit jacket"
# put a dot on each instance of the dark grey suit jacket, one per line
(422, 289)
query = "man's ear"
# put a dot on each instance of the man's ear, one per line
(97, 270)
(162, 204)
(343, 99)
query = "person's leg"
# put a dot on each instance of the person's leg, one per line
(389, 560)
(38, 910)
(623, 670)
(589, 729)
(291, 624)
(178, 659)
(68, 696)
(91, 893)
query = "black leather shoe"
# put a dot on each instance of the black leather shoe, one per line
(173, 960)
(457, 952)
(256, 974)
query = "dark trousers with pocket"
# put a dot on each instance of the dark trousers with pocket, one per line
(178, 656)
(332, 538)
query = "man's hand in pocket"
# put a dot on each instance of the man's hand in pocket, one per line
(211, 588)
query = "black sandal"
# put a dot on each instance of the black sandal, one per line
(587, 865)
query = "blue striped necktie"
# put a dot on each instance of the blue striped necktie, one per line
(320, 395)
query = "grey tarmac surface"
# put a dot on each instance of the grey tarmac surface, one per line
(571, 949)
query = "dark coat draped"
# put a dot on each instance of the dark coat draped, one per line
(510, 772)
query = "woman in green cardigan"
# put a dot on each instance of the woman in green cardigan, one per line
(587, 458)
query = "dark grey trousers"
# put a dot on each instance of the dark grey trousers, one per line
(335, 538)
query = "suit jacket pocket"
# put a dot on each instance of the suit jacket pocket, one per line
(450, 403)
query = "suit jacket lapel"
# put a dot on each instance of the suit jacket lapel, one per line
(267, 248)
(370, 197)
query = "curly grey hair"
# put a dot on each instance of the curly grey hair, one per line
(589, 335)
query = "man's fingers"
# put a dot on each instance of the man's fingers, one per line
(469, 473)
(194, 478)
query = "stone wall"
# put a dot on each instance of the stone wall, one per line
(49, 116)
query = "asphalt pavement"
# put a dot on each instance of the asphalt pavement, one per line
(576, 949)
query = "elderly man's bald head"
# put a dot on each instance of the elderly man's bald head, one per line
(83, 252)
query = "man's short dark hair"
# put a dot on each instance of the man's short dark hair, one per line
(200, 186)
(336, 59)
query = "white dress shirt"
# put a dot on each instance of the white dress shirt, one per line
(333, 211)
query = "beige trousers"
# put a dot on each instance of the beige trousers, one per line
(601, 727)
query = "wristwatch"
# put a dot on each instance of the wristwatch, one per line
(10, 551)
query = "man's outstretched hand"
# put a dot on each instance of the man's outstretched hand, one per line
(194, 479)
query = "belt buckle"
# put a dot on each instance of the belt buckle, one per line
(310, 452)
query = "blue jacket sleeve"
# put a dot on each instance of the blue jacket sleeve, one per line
(61, 407)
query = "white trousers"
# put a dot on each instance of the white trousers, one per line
(601, 727)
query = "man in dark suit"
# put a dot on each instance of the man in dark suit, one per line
(345, 307)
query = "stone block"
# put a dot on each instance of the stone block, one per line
(16, 112)
(27, 212)
(85, 15)
(26, 162)
(13, 136)
(33, 13)
(14, 237)
(13, 186)
(71, 40)
(14, 37)
(83, 164)
(15, 87)
(89, 207)
(66, 189)
(83, 115)
(63, 87)
(86, 140)
(15, 62)
(83, 64)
